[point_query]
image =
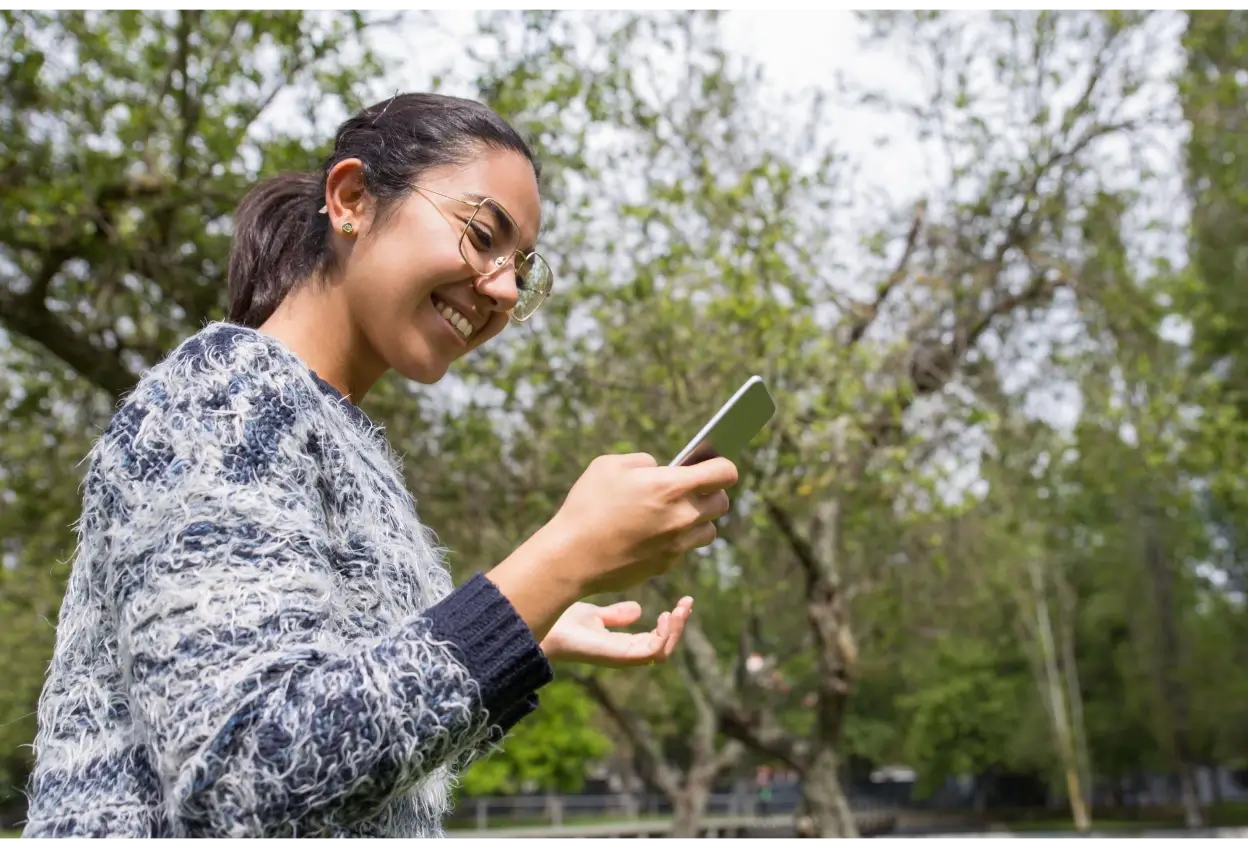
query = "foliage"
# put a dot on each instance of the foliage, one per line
(550, 751)
(964, 720)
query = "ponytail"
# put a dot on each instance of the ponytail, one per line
(280, 240)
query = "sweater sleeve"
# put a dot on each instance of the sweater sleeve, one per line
(258, 719)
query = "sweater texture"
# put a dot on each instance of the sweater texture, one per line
(259, 637)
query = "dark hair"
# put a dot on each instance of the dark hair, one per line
(281, 239)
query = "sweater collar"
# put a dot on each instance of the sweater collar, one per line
(358, 415)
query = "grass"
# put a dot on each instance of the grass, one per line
(540, 821)
(1223, 815)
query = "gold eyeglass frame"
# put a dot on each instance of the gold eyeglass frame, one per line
(501, 262)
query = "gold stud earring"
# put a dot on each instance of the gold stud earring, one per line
(347, 228)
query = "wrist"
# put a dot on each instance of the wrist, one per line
(541, 579)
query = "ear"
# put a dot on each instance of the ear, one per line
(346, 199)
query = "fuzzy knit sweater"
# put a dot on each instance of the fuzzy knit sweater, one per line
(259, 637)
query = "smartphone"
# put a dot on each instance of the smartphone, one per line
(733, 427)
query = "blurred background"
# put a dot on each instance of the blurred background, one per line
(986, 568)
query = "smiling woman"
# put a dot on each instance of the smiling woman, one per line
(259, 636)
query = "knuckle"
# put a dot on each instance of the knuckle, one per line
(635, 460)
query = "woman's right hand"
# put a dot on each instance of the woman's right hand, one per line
(628, 519)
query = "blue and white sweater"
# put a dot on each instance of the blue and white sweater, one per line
(259, 637)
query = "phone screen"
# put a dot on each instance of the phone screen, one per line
(733, 427)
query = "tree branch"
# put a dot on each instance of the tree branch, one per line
(638, 732)
(752, 725)
(100, 366)
(869, 313)
(28, 315)
(708, 723)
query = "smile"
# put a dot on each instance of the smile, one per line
(453, 317)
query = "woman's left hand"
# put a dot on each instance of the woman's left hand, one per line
(581, 635)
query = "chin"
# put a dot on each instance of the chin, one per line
(424, 371)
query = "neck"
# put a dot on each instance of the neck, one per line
(319, 330)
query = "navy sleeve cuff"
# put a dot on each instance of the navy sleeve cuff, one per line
(487, 635)
(502, 724)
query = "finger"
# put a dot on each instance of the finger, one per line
(620, 650)
(680, 617)
(662, 629)
(712, 506)
(697, 536)
(620, 615)
(708, 476)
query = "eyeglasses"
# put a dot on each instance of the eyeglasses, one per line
(489, 241)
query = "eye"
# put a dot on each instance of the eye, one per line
(481, 236)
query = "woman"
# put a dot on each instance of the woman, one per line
(259, 637)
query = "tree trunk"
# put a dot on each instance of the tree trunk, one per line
(1074, 691)
(688, 790)
(1193, 816)
(1058, 710)
(1167, 665)
(825, 801)
(689, 806)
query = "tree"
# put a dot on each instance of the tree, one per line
(551, 750)
(43, 427)
(1214, 97)
(680, 755)
(1213, 92)
(129, 139)
(721, 252)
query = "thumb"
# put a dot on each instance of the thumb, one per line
(620, 615)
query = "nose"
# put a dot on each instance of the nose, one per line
(500, 288)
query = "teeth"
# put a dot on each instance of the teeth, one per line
(456, 320)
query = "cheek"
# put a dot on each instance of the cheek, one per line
(402, 272)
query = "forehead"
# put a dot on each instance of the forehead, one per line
(505, 176)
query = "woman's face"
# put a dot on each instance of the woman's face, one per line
(401, 278)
